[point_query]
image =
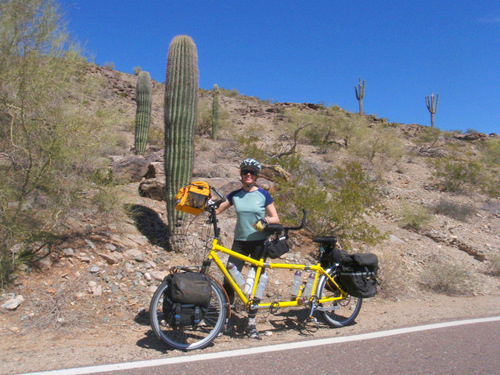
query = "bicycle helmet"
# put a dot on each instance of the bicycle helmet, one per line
(251, 164)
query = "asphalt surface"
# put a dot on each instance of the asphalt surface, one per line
(471, 348)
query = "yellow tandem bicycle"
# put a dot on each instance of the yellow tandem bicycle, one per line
(326, 296)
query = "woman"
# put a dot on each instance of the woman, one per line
(254, 208)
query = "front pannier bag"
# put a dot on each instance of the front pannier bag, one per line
(187, 298)
(358, 275)
(193, 198)
(189, 288)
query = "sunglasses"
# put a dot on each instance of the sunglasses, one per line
(246, 171)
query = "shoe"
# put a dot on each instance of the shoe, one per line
(252, 332)
(226, 330)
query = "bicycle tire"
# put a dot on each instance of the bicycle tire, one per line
(189, 337)
(338, 313)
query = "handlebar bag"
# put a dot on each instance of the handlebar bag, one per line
(274, 248)
(193, 198)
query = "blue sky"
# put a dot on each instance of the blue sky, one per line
(315, 51)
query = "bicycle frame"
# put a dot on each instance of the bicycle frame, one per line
(260, 266)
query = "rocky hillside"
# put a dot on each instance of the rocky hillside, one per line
(108, 275)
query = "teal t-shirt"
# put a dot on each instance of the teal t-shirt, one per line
(250, 207)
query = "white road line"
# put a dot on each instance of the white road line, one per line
(258, 350)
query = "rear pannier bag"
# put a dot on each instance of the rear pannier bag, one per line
(187, 298)
(193, 198)
(358, 275)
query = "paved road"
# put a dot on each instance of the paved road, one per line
(472, 348)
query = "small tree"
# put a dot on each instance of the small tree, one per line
(46, 133)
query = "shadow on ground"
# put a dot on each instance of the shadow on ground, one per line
(150, 224)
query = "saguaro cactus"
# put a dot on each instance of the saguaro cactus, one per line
(215, 112)
(432, 106)
(143, 95)
(360, 94)
(181, 100)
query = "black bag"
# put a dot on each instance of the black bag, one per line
(331, 255)
(358, 275)
(189, 288)
(181, 315)
(276, 248)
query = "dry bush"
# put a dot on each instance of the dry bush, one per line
(494, 265)
(444, 277)
(59, 305)
(392, 275)
(454, 210)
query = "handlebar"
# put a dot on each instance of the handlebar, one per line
(216, 203)
(302, 223)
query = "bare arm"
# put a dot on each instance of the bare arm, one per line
(223, 207)
(271, 214)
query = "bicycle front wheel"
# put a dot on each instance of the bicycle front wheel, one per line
(338, 313)
(188, 337)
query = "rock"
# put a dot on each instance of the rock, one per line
(68, 252)
(134, 254)
(155, 170)
(94, 269)
(111, 258)
(153, 188)
(44, 264)
(159, 275)
(13, 303)
(130, 169)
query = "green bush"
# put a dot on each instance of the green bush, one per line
(454, 173)
(54, 141)
(339, 203)
(414, 217)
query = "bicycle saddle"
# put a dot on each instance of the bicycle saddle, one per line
(327, 239)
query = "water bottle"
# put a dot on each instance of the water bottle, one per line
(296, 283)
(261, 286)
(237, 276)
(309, 285)
(250, 281)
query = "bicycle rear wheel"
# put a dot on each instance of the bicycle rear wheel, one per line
(341, 312)
(188, 337)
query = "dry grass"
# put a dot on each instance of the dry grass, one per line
(452, 279)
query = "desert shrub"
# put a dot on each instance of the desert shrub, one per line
(156, 136)
(249, 147)
(454, 210)
(52, 139)
(463, 172)
(444, 277)
(429, 140)
(204, 119)
(376, 142)
(454, 173)
(392, 275)
(413, 216)
(490, 152)
(338, 204)
(494, 264)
